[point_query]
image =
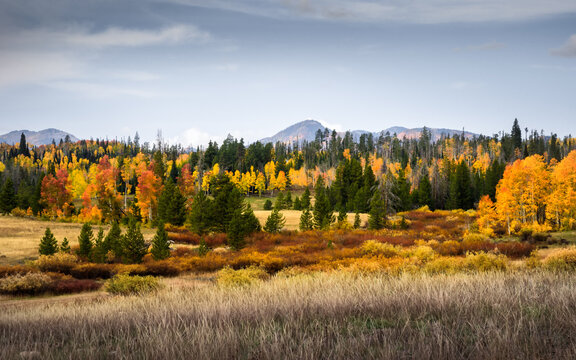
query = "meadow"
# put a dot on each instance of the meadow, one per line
(428, 289)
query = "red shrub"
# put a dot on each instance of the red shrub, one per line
(93, 271)
(184, 238)
(515, 249)
(161, 268)
(70, 286)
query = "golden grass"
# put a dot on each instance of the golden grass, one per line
(19, 237)
(293, 218)
(515, 315)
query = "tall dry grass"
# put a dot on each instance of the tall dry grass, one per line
(312, 316)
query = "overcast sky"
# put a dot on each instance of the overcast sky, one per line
(200, 69)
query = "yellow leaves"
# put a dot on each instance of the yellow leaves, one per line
(2, 167)
(281, 181)
(346, 154)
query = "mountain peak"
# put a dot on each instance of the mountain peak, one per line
(42, 137)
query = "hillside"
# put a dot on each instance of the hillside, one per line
(306, 130)
(42, 137)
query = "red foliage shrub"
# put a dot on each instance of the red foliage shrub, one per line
(515, 249)
(93, 271)
(161, 268)
(183, 252)
(184, 238)
(216, 240)
(449, 248)
(475, 243)
(70, 286)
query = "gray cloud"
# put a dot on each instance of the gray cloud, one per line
(566, 50)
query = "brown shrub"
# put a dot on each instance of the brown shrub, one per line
(71, 286)
(93, 271)
(477, 242)
(161, 268)
(515, 249)
(7, 270)
(449, 248)
(184, 238)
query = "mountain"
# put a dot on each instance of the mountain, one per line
(42, 137)
(306, 130)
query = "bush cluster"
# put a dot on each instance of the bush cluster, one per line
(132, 285)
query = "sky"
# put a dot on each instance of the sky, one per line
(202, 69)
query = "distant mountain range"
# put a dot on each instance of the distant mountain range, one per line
(306, 130)
(42, 137)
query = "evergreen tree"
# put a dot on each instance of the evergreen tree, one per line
(461, 188)
(7, 197)
(401, 191)
(250, 221)
(323, 216)
(305, 199)
(377, 218)
(48, 243)
(160, 245)
(99, 250)
(306, 221)
(171, 205)
(200, 216)
(425, 191)
(268, 204)
(159, 167)
(203, 249)
(236, 233)
(275, 222)
(23, 149)
(85, 240)
(65, 246)
(134, 245)
(297, 204)
(516, 135)
(113, 240)
(356, 221)
(279, 204)
(227, 199)
(288, 200)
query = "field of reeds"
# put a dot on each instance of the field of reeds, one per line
(494, 315)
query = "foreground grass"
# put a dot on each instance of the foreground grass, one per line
(316, 316)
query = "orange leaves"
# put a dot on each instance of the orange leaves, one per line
(147, 192)
(54, 192)
(561, 209)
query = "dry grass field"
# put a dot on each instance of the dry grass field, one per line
(514, 315)
(19, 237)
(293, 218)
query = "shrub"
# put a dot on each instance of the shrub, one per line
(476, 242)
(444, 265)
(540, 236)
(561, 260)
(229, 277)
(422, 253)
(93, 271)
(515, 249)
(70, 286)
(132, 285)
(131, 269)
(6, 270)
(161, 268)
(29, 284)
(449, 248)
(59, 262)
(375, 248)
(483, 262)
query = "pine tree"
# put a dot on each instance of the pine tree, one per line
(250, 221)
(356, 221)
(48, 243)
(113, 240)
(297, 204)
(323, 216)
(171, 204)
(306, 221)
(279, 204)
(160, 245)
(425, 191)
(85, 240)
(134, 245)
(65, 246)
(516, 135)
(268, 204)
(203, 249)
(275, 222)
(305, 199)
(99, 250)
(377, 218)
(23, 149)
(236, 234)
(7, 197)
(288, 200)
(401, 190)
(200, 216)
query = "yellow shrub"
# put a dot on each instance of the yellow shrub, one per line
(28, 284)
(449, 248)
(229, 277)
(561, 260)
(132, 285)
(444, 265)
(376, 248)
(421, 253)
(59, 262)
(130, 269)
(482, 262)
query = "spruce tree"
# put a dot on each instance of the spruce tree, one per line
(305, 199)
(401, 190)
(323, 216)
(113, 240)
(160, 245)
(171, 204)
(268, 204)
(203, 249)
(425, 191)
(356, 221)
(23, 149)
(288, 200)
(236, 234)
(516, 135)
(134, 245)
(279, 204)
(7, 197)
(275, 222)
(200, 217)
(297, 205)
(48, 243)
(377, 218)
(250, 221)
(306, 220)
(99, 250)
(85, 240)
(65, 246)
